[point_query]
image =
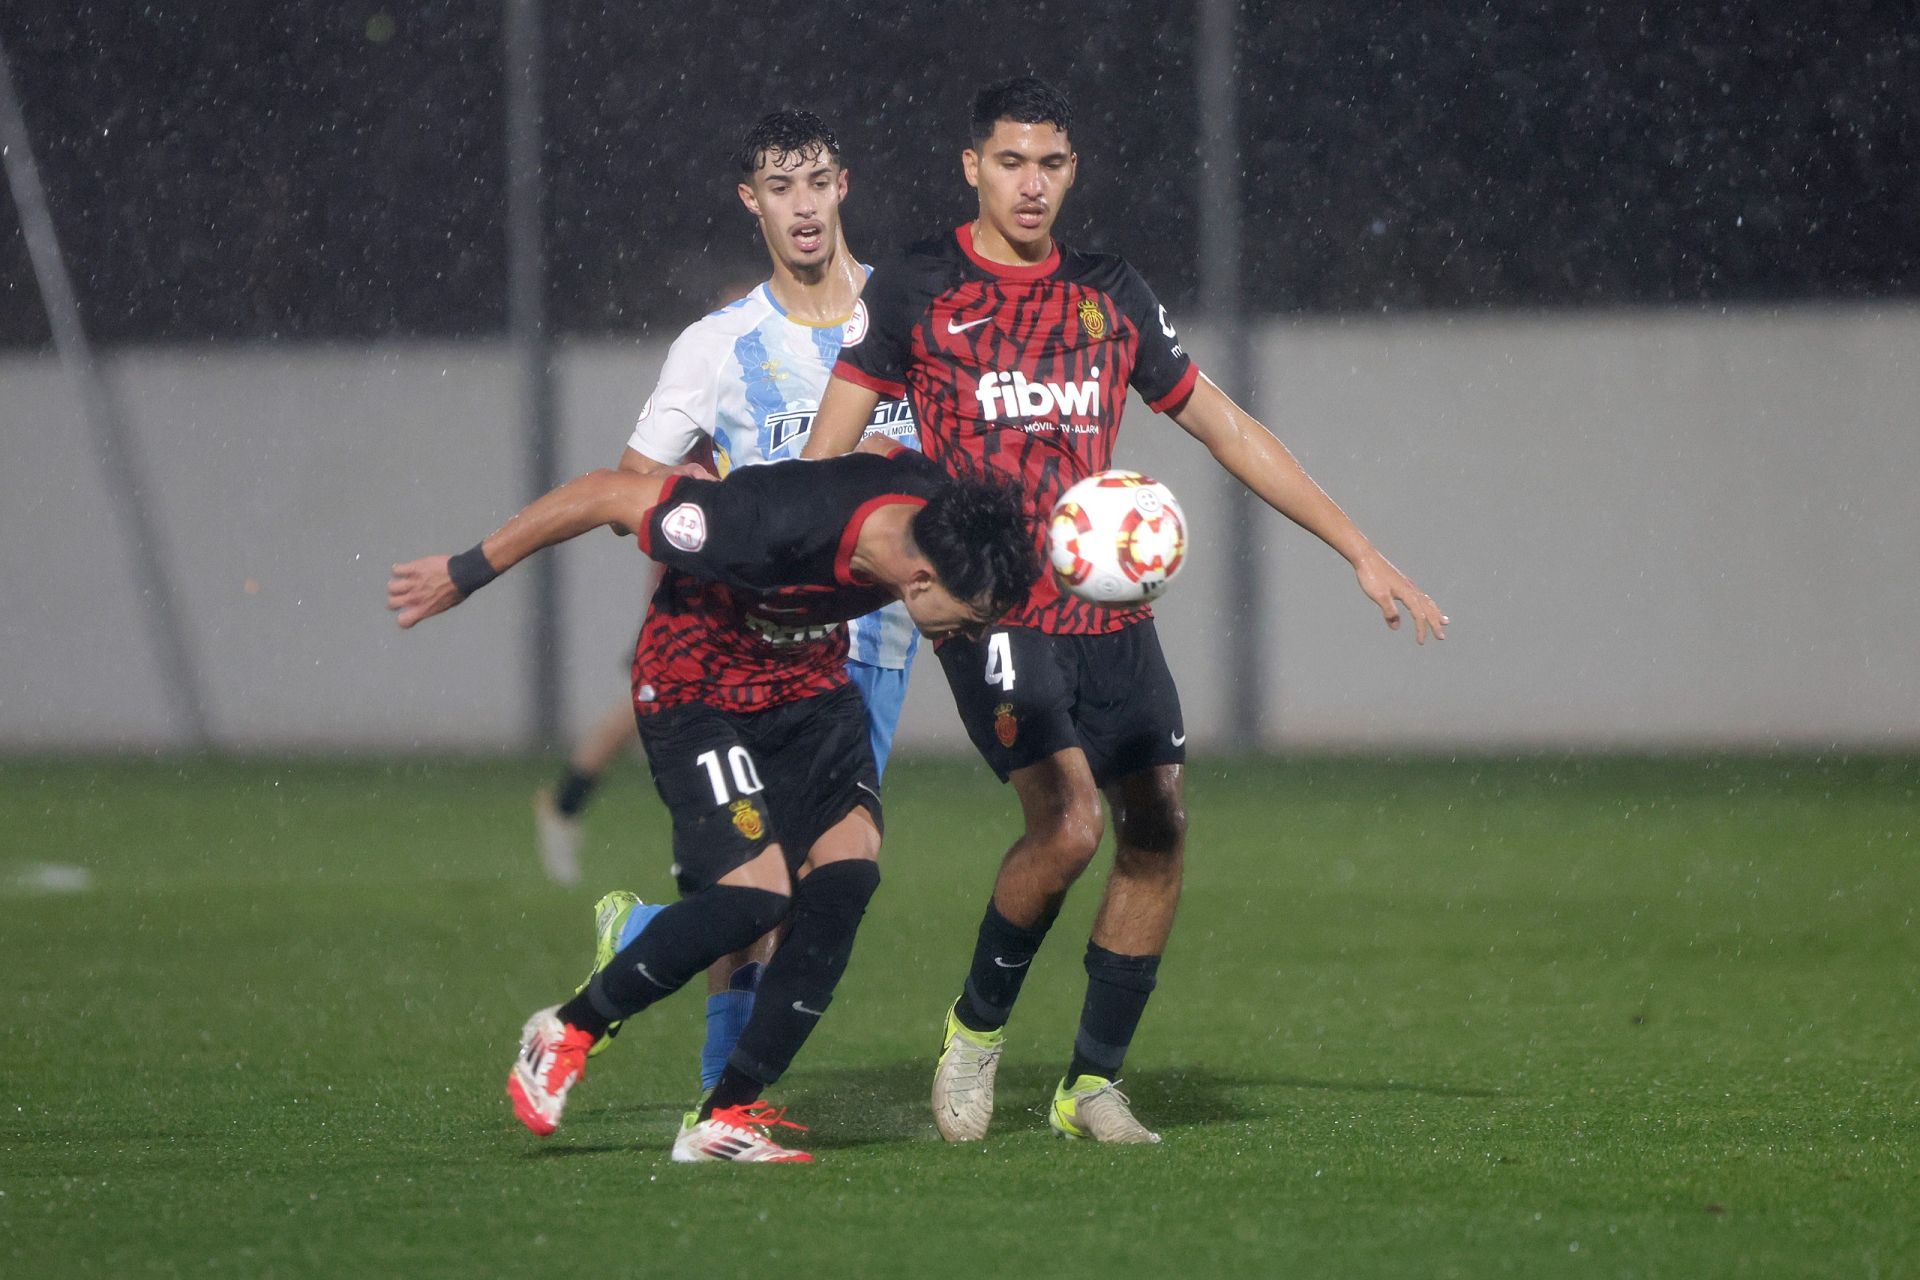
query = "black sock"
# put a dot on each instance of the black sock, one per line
(678, 943)
(1001, 958)
(735, 1088)
(570, 796)
(799, 981)
(1117, 991)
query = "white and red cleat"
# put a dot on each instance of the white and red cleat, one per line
(553, 1056)
(738, 1133)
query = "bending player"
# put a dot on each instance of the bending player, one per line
(741, 386)
(757, 739)
(1016, 353)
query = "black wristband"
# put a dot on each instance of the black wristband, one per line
(470, 570)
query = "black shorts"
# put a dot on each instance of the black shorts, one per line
(736, 781)
(1025, 695)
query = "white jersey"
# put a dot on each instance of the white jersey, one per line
(748, 378)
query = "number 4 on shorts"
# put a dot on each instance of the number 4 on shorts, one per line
(1000, 660)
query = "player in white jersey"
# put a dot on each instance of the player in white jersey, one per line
(742, 384)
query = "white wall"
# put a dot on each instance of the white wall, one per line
(1650, 528)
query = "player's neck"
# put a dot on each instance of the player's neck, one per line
(995, 247)
(884, 551)
(819, 296)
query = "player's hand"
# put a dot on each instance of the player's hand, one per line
(1389, 588)
(421, 588)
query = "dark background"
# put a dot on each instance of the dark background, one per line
(337, 170)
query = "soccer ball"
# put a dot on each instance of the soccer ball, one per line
(1116, 538)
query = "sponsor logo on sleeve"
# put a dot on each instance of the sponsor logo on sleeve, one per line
(685, 527)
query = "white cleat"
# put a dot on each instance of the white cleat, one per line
(1095, 1108)
(553, 1056)
(739, 1134)
(559, 837)
(963, 1081)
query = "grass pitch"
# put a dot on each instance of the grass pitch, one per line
(1547, 1017)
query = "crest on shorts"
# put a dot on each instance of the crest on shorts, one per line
(746, 819)
(1005, 726)
(1092, 319)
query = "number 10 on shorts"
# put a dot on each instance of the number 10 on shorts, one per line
(746, 779)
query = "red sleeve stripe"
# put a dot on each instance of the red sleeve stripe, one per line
(645, 532)
(1181, 390)
(861, 378)
(843, 558)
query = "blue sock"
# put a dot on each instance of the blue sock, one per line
(637, 919)
(727, 1015)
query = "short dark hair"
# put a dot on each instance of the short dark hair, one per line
(783, 133)
(978, 537)
(1023, 100)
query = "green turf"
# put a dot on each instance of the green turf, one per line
(1547, 1017)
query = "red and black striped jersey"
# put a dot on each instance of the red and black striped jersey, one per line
(759, 578)
(1019, 373)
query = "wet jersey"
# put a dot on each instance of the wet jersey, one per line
(746, 380)
(1020, 373)
(760, 578)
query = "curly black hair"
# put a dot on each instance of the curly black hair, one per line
(978, 537)
(784, 133)
(1023, 100)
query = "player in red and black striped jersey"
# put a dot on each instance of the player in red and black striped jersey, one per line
(757, 739)
(1016, 353)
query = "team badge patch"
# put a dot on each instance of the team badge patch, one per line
(685, 527)
(1005, 726)
(854, 331)
(1092, 319)
(746, 819)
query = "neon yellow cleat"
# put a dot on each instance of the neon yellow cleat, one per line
(963, 1081)
(1095, 1108)
(609, 919)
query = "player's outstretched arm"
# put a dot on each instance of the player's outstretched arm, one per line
(1241, 444)
(845, 410)
(421, 588)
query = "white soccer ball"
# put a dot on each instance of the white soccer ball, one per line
(1117, 538)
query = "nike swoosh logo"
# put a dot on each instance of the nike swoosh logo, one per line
(1179, 739)
(800, 1008)
(971, 324)
(1004, 965)
(642, 970)
(869, 790)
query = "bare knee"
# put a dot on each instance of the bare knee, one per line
(1150, 822)
(1071, 834)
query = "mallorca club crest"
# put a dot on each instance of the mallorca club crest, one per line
(746, 819)
(1092, 319)
(1005, 726)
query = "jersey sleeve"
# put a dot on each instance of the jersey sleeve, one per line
(679, 416)
(752, 531)
(879, 341)
(707, 529)
(1163, 372)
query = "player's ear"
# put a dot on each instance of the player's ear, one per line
(1073, 166)
(748, 199)
(970, 166)
(844, 181)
